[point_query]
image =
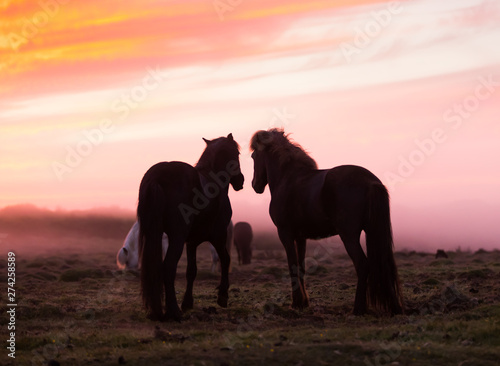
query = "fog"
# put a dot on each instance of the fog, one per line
(460, 225)
(464, 225)
(28, 229)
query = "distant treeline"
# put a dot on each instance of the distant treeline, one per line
(107, 223)
(28, 220)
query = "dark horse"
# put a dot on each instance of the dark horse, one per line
(309, 203)
(243, 236)
(190, 205)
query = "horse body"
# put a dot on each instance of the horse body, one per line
(307, 203)
(190, 205)
(309, 217)
(323, 203)
(128, 255)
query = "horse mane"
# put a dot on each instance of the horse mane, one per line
(278, 143)
(205, 163)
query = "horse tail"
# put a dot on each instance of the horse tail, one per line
(150, 215)
(229, 240)
(384, 290)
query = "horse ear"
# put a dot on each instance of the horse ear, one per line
(230, 137)
(206, 141)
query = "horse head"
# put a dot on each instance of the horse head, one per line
(221, 160)
(261, 140)
(127, 260)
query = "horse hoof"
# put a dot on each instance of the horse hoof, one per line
(154, 317)
(187, 305)
(222, 301)
(359, 312)
(175, 316)
(397, 310)
(299, 302)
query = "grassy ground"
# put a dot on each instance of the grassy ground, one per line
(77, 309)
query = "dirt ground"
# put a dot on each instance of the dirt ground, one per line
(76, 308)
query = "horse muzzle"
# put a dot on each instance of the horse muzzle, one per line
(237, 182)
(258, 188)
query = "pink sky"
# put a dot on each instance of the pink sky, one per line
(160, 75)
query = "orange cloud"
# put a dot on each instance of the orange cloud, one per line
(46, 45)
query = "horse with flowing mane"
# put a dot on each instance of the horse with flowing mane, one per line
(307, 203)
(190, 205)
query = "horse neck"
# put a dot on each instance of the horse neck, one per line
(207, 176)
(276, 172)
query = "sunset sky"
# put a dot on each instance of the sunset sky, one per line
(93, 93)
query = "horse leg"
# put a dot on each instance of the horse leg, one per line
(238, 250)
(174, 253)
(298, 295)
(222, 296)
(301, 251)
(229, 242)
(358, 257)
(248, 253)
(191, 271)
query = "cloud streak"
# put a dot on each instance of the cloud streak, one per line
(227, 76)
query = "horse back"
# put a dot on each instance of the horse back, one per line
(346, 194)
(178, 179)
(348, 183)
(188, 207)
(321, 203)
(178, 182)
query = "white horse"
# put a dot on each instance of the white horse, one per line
(128, 255)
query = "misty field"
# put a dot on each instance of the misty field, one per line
(76, 308)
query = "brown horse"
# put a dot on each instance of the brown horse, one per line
(243, 236)
(190, 205)
(308, 203)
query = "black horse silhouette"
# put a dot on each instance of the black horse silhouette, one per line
(190, 205)
(310, 203)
